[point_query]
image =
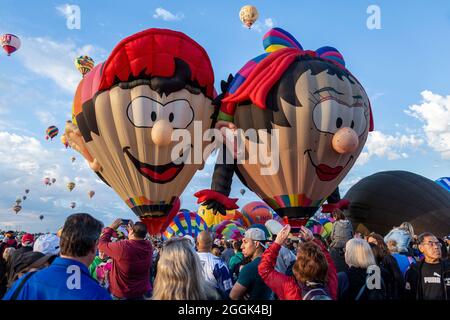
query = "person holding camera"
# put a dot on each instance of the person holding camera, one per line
(132, 261)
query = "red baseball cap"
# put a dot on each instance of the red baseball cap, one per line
(27, 237)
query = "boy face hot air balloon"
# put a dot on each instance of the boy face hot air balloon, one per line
(322, 117)
(126, 109)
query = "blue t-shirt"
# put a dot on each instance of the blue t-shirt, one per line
(250, 278)
(64, 279)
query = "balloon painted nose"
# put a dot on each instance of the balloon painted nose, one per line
(345, 141)
(162, 133)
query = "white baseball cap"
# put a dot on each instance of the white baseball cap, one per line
(273, 226)
(48, 244)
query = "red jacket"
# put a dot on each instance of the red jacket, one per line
(132, 261)
(286, 287)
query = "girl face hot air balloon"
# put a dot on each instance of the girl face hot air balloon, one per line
(321, 114)
(126, 109)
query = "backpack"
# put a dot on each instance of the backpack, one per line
(316, 294)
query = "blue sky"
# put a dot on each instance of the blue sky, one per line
(404, 67)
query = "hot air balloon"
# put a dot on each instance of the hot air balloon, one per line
(10, 43)
(84, 64)
(64, 141)
(229, 230)
(18, 201)
(242, 191)
(41, 217)
(322, 115)
(71, 186)
(27, 191)
(126, 141)
(91, 194)
(52, 132)
(73, 205)
(24, 198)
(53, 180)
(17, 208)
(185, 223)
(322, 226)
(256, 212)
(386, 199)
(248, 15)
(213, 219)
(47, 181)
(73, 159)
(444, 182)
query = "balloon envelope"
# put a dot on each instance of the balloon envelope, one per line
(185, 223)
(256, 212)
(386, 199)
(71, 186)
(248, 15)
(122, 130)
(444, 182)
(52, 132)
(84, 64)
(10, 43)
(212, 219)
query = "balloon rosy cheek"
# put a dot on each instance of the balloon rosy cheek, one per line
(345, 140)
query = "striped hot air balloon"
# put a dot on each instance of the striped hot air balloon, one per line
(84, 64)
(51, 132)
(444, 182)
(185, 223)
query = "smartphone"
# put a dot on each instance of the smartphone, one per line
(125, 222)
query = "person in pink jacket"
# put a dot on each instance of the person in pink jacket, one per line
(314, 277)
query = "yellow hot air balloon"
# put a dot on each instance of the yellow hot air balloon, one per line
(312, 118)
(126, 141)
(71, 186)
(211, 218)
(91, 194)
(248, 15)
(84, 64)
(64, 141)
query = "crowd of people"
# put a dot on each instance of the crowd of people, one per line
(87, 261)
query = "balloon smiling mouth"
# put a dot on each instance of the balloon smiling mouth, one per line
(158, 173)
(325, 172)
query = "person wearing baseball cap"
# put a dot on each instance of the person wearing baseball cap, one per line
(249, 284)
(48, 244)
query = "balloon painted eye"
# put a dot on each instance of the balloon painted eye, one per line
(143, 112)
(338, 123)
(352, 125)
(329, 116)
(179, 113)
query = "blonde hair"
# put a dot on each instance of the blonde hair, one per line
(7, 253)
(179, 274)
(358, 254)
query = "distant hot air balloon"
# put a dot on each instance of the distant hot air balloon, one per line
(47, 181)
(41, 217)
(91, 194)
(17, 208)
(248, 15)
(242, 191)
(73, 205)
(24, 197)
(18, 201)
(73, 159)
(84, 64)
(256, 212)
(53, 180)
(10, 43)
(71, 186)
(64, 141)
(52, 132)
(27, 191)
(124, 133)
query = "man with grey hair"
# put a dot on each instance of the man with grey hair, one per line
(430, 278)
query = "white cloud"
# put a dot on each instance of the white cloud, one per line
(54, 60)
(434, 112)
(161, 13)
(388, 146)
(45, 117)
(64, 10)
(269, 23)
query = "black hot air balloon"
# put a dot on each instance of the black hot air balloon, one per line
(386, 199)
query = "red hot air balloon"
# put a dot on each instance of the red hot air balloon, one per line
(10, 43)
